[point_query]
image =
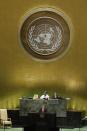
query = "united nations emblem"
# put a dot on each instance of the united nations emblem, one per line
(45, 35)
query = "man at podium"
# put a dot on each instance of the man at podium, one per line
(45, 96)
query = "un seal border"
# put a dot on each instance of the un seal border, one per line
(28, 41)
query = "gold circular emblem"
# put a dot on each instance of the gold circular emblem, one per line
(45, 34)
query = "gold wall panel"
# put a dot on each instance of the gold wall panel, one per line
(21, 75)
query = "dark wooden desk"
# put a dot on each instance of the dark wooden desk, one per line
(49, 122)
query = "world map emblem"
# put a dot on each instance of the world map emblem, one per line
(45, 36)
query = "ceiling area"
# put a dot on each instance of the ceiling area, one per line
(21, 75)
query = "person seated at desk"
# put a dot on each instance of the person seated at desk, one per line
(45, 96)
(35, 97)
(55, 96)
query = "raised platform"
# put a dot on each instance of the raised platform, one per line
(49, 121)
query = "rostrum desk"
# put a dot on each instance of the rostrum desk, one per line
(32, 109)
(30, 117)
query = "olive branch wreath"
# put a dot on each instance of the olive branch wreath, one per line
(55, 46)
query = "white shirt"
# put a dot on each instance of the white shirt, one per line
(44, 96)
